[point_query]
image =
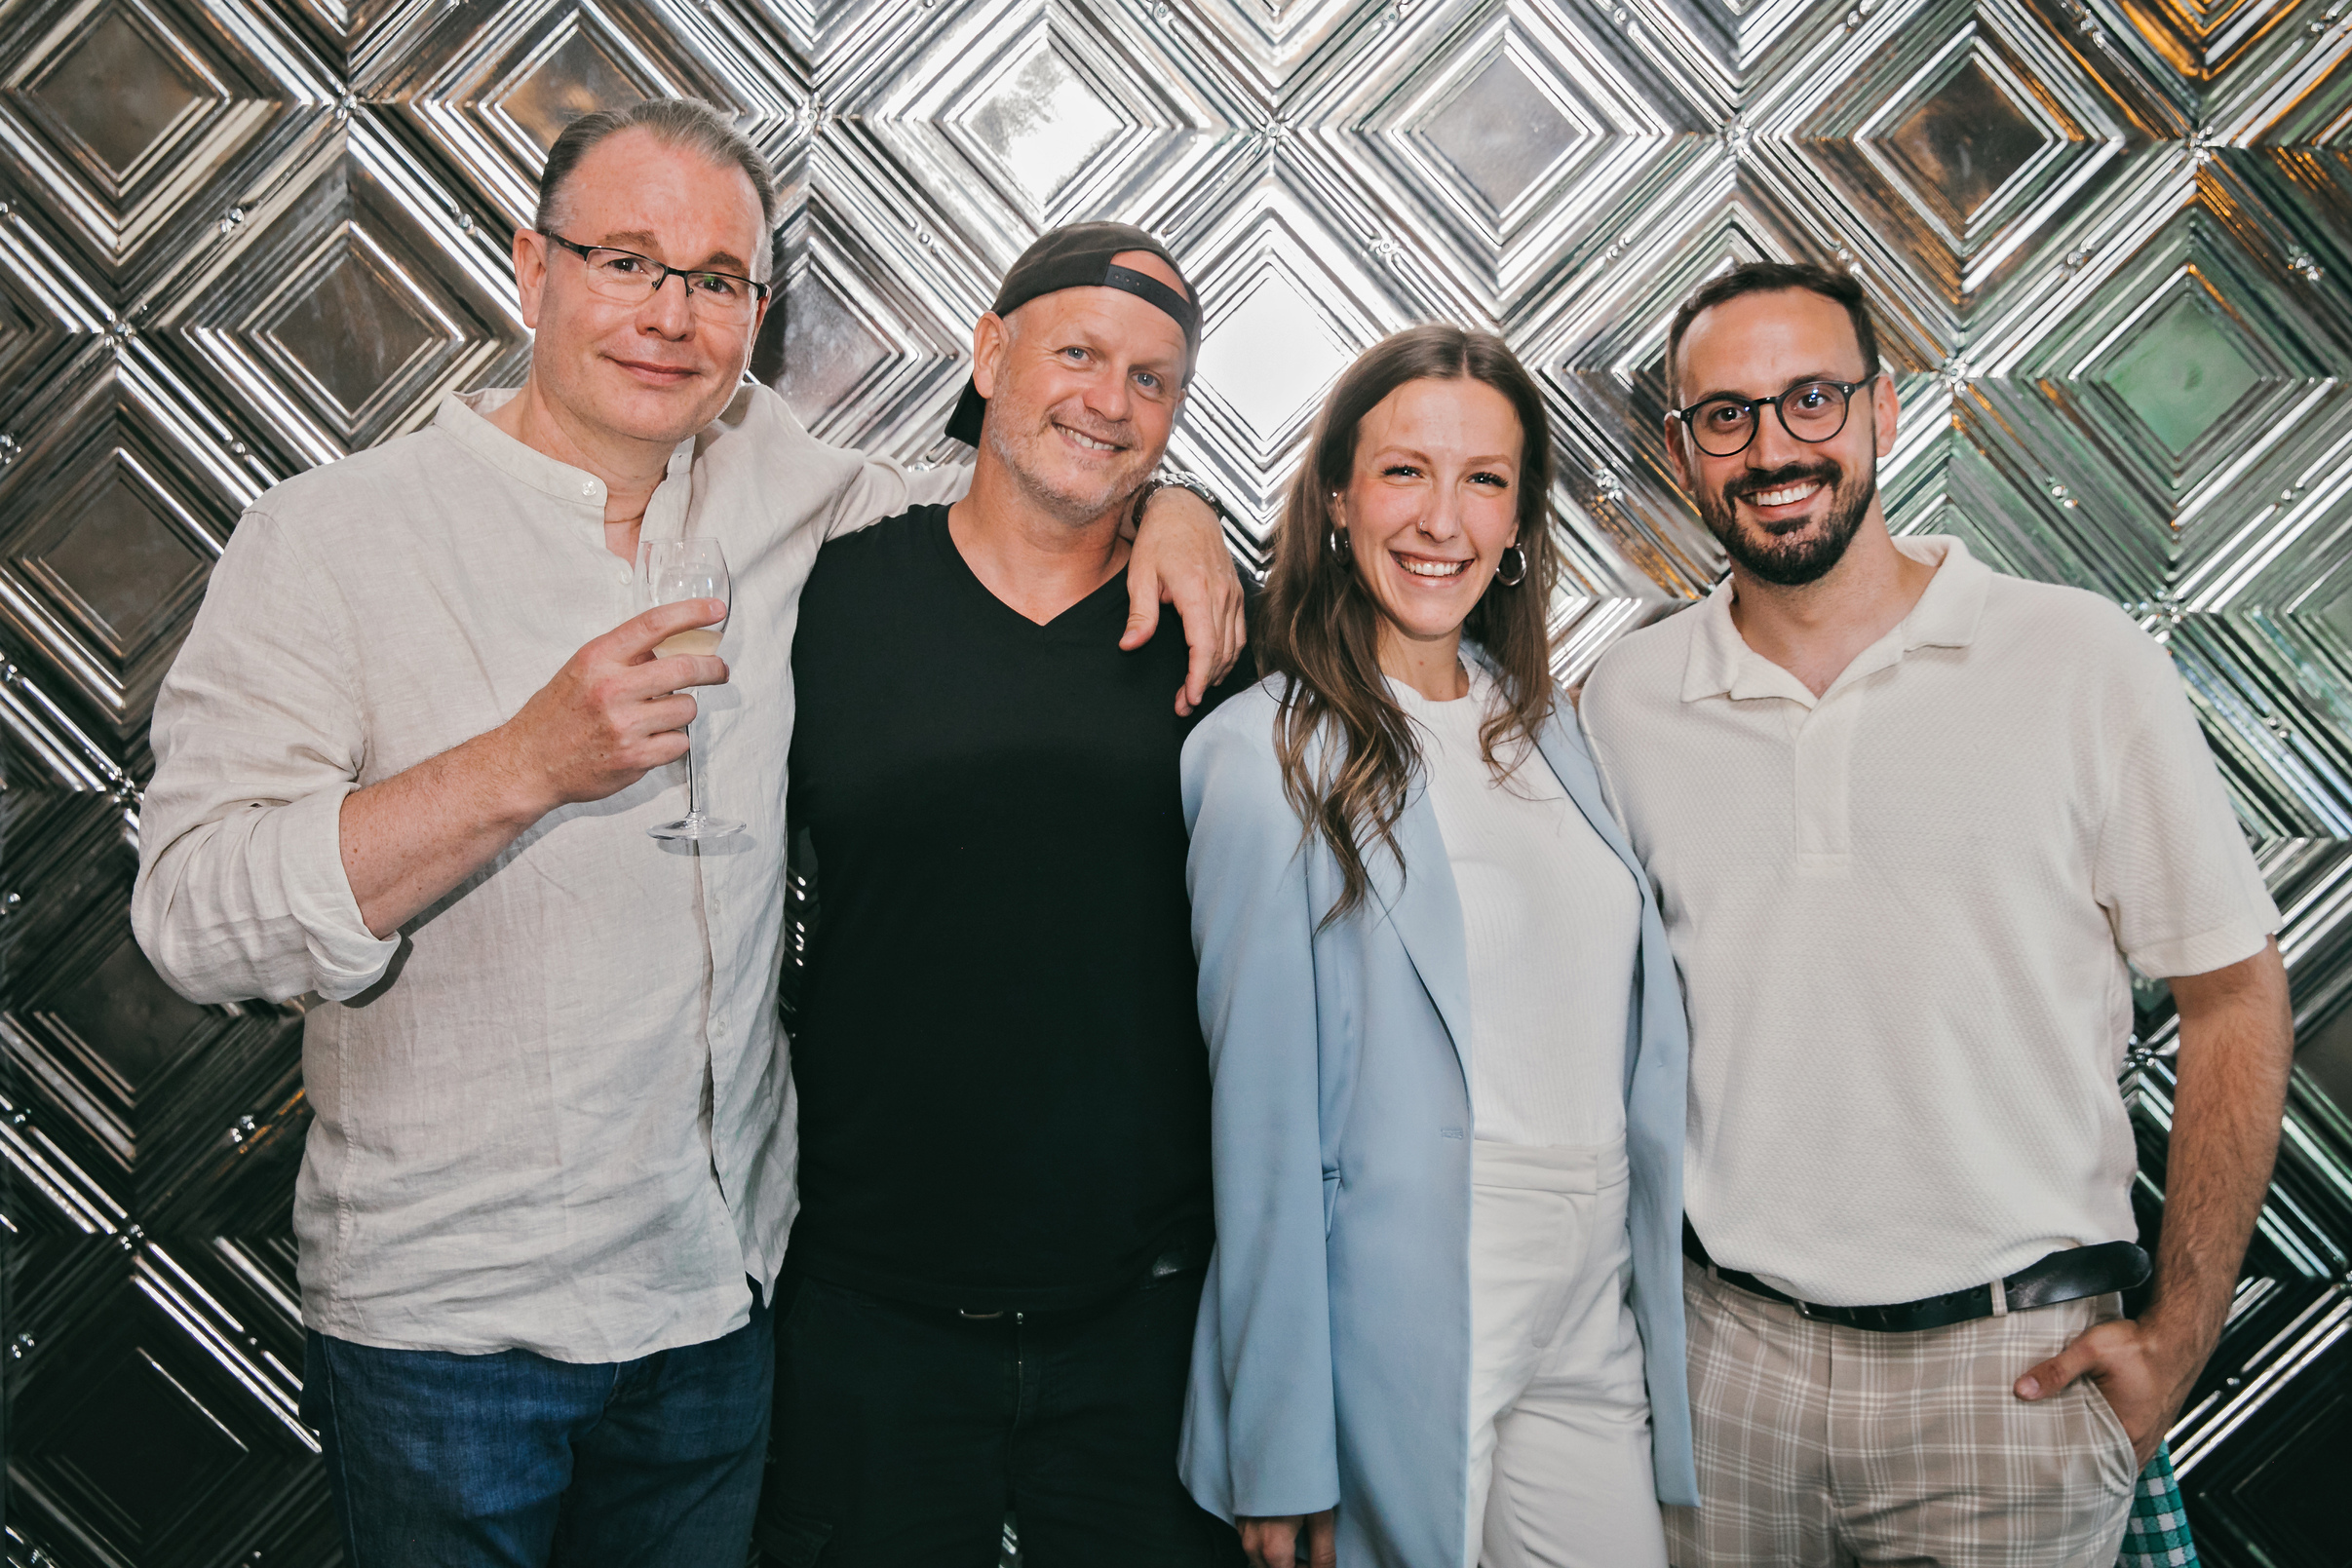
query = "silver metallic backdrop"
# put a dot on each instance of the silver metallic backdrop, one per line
(2111, 240)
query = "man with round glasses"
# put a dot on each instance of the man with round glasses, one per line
(1912, 823)
(406, 761)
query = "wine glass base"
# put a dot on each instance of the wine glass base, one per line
(695, 826)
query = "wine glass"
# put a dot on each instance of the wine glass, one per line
(670, 570)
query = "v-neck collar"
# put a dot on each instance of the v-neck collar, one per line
(1078, 618)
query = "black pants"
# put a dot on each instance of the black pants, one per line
(904, 1434)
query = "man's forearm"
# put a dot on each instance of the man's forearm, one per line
(409, 839)
(2237, 1040)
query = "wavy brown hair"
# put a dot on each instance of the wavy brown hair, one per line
(1347, 751)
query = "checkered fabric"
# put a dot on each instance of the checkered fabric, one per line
(2157, 1535)
(1824, 1446)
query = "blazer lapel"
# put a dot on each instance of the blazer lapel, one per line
(1572, 766)
(1564, 750)
(1424, 904)
(1427, 914)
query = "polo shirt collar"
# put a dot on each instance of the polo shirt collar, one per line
(1721, 662)
(463, 416)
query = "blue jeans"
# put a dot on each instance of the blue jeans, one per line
(516, 1461)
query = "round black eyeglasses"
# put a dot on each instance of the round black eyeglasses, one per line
(1812, 411)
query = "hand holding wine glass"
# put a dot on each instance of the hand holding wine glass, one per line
(670, 570)
(609, 716)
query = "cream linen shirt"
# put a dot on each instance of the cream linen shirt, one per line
(553, 1111)
(1903, 911)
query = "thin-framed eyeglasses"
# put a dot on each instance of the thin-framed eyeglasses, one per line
(627, 278)
(1812, 411)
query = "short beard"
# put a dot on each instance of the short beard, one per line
(1074, 509)
(1793, 562)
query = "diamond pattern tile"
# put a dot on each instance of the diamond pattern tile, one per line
(2181, 409)
(351, 325)
(1513, 132)
(2179, 367)
(111, 522)
(1282, 317)
(865, 361)
(2110, 240)
(1041, 123)
(1024, 116)
(47, 311)
(1957, 147)
(2202, 41)
(119, 554)
(489, 88)
(116, 94)
(1499, 132)
(341, 312)
(125, 114)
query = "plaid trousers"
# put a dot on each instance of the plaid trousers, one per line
(1824, 1445)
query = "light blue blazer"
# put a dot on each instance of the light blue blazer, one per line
(1332, 1359)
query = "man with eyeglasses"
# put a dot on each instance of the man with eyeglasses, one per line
(406, 761)
(1911, 820)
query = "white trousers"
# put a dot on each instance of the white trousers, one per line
(1560, 1463)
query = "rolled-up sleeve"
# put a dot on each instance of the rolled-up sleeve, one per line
(259, 735)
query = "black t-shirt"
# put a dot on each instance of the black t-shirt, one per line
(1004, 1096)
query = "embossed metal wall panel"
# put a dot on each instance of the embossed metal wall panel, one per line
(2112, 240)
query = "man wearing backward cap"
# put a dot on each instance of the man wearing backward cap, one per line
(989, 1300)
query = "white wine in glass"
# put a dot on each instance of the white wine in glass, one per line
(670, 570)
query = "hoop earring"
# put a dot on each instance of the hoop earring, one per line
(1335, 545)
(1520, 574)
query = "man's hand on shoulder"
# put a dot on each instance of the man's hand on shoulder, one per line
(1181, 558)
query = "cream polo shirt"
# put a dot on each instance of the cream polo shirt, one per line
(1903, 912)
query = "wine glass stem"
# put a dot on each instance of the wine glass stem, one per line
(694, 794)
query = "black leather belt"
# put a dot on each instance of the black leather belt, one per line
(2063, 1276)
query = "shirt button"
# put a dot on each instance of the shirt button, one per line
(589, 487)
(621, 578)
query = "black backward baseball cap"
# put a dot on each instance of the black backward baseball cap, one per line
(1078, 255)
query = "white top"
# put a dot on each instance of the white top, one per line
(1551, 919)
(1903, 911)
(553, 1111)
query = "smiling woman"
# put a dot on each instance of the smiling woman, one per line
(1434, 986)
(1420, 515)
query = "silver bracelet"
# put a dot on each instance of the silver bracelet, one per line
(1176, 482)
